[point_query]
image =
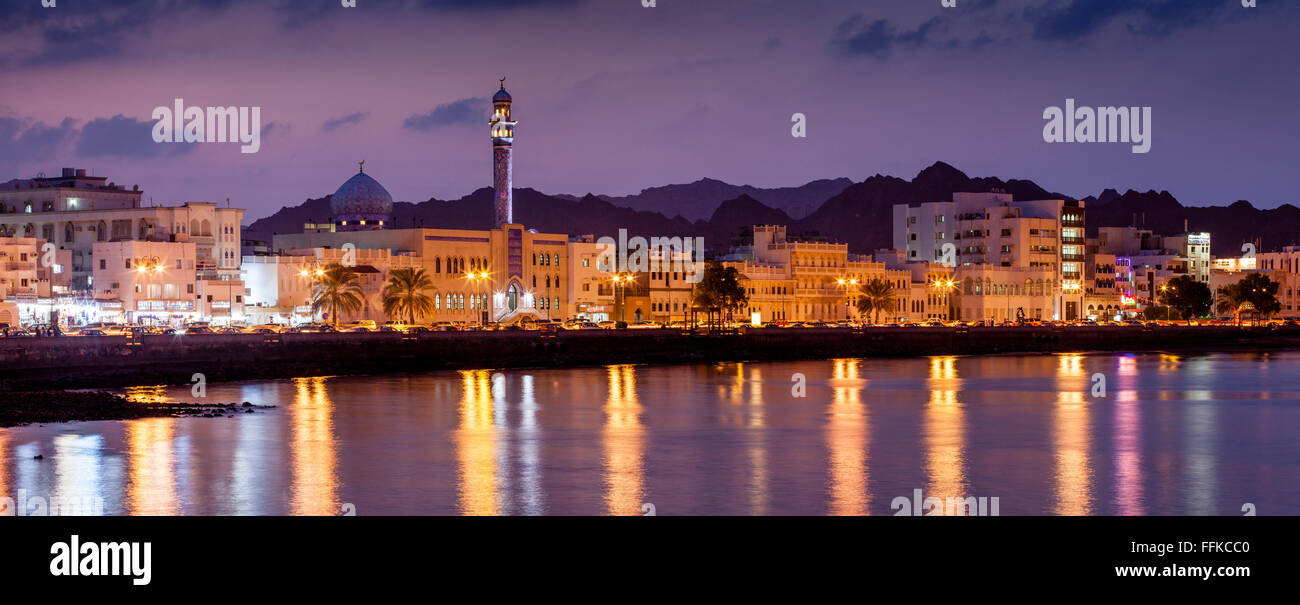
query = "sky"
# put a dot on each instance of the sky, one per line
(613, 97)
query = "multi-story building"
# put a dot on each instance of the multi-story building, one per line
(34, 279)
(1153, 259)
(991, 229)
(74, 212)
(588, 289)
(147, 282)
(281, 288)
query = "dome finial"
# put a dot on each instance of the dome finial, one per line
(503, 83)
(361, 166)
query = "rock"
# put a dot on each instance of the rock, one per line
(38, 457)
(247, 404)
(248, 411)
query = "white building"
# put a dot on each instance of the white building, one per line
(75, 211)
(281, 287)
(991, 229)
(148, 283)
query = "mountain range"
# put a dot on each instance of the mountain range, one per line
(840, 210)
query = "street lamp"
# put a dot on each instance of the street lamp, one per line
(621, 283)
(312, 274)
(478, 279)
(948, 289)
(847, 284)
(147, 267)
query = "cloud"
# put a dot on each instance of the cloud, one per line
(124, 137)
(1081, 18)
(333, 124)
(27, 142)
(275, 128)
(464, 111)
(856, 36)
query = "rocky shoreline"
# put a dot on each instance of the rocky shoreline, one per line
(40, 407)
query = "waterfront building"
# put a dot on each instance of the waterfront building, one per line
(281, 287)
(992, 230)
(501, 274)
(146, 282)
(1282, 266)
(1154, 259)
(34, 282)
(75, 211)
(589, 287)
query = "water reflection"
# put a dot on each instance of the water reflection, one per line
(703, 439)
(147, 394)
(1071, 428)
(846, 436)
(945, 432)
(623, 442)
(476, 446)
(315, 482)
(151, 483)
(530, 437)
(1128, 441)
(5, 492)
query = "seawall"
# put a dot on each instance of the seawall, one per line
(109, 362)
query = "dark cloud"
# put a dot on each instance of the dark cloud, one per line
(21, 142)
(80, 30)
(277, 128)
(125, 137)
(333, 124)
(856, 36)
(464, 111)
(1081, 18)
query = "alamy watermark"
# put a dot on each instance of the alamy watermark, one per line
(1098, 125)
(39, 506)
(931, 506)
(180, 124)
(639, 255)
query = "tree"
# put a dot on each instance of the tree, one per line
(1155, 312)
(719, 292)
(339, 287)
(875, 296)
(404, 294)
(1186, 296)
(1256, 289)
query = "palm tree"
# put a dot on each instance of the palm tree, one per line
(875, 296)
(405, 294)
(339, 288)
(1228, 303)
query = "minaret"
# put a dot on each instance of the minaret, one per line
(503, 136)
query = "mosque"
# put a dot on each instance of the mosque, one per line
(500, 274)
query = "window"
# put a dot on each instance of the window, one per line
(103, 264)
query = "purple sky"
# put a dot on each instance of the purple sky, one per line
(613, 97)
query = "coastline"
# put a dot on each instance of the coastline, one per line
(114, 362)
(49, 407)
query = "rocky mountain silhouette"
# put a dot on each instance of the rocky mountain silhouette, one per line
(858, 214)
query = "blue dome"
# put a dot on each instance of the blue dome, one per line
(361, 195)
(501, 95)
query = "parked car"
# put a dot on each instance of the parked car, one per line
(199, 330)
